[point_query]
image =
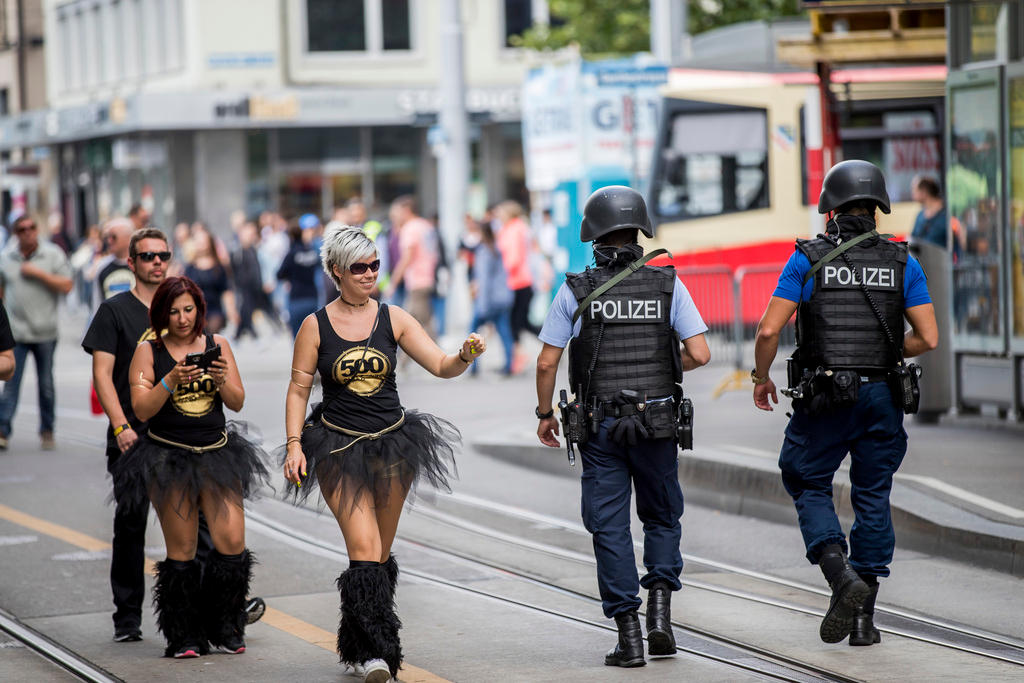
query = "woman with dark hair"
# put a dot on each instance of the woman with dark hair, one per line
(363, 449)
(191, 459)
(300, 269)
(208, 271)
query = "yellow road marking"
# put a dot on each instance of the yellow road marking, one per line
(294, 626)
(63, 533)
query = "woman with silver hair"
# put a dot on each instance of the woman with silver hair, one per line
(359, 445)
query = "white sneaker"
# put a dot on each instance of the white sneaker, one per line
(377, 671)
(355, 670)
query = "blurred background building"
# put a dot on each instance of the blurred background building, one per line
(295, 105)
(25, 174)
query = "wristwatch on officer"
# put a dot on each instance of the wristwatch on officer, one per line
(543, 416)
(758, 381)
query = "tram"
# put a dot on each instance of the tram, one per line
(740, 156)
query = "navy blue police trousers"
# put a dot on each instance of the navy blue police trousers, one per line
(651, 466)
(871, 431)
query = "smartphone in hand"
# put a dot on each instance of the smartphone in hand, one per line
(203, 359)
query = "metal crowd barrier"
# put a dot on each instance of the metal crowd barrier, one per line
(731, 304)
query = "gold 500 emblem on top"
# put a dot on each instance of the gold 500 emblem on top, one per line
(362, 370)
(195, 398)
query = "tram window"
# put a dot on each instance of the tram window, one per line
(903, 143)
(713, 163)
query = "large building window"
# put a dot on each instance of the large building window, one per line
(336, 25)
(395, 19)
(712, 163)
(358, 25)
(518, 18)
(104, 42)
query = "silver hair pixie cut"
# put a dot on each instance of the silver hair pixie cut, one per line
(344, 245)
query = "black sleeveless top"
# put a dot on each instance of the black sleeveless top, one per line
(194, 413)
(360, 391)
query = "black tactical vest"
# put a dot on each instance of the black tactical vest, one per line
(632, 321)
(837, 328)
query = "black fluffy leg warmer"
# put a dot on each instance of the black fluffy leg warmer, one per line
(176, 602)
(226, 581)
(391, 566)
(369, 626)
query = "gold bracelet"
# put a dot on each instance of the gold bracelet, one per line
(292, 438)
(304, 386)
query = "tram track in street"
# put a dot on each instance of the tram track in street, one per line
(53, 652)
(924, 628)
(768, 664)
(920, 627)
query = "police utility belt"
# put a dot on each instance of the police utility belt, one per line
(637, 417)
(820, 390)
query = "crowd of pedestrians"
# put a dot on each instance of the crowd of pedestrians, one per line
(269, 266)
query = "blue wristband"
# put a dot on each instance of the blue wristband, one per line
(163, 381)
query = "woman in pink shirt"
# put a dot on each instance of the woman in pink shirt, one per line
(515, 241)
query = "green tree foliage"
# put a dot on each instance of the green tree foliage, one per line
(708, 14)
(599, 27)
(608, 27)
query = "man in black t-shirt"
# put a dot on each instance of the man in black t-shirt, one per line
(6, 346)
(121, 323)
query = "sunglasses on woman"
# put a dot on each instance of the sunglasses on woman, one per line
(149, 256)
(360, 268)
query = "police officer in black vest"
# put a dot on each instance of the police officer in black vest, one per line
(851, 289)
(623, 322)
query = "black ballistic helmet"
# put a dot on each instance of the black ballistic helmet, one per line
(612, 208)
(851, 180)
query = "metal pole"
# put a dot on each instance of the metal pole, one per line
(453, 157)
(22, 58)
(670, 38)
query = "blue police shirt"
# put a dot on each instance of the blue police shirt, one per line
(558, 328)
(915, 285)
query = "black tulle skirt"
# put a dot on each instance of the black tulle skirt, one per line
(164, 474)
(421, 450)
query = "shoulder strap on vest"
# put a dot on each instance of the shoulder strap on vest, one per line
(840, 249)
(616, 279)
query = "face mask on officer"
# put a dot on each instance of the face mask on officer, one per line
(606, 254)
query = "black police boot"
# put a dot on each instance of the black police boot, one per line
(864, 631)
(848, 594)
(660, 639)
(629, 651)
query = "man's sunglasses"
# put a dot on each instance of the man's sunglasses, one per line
(360, 268)
(150, 256)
